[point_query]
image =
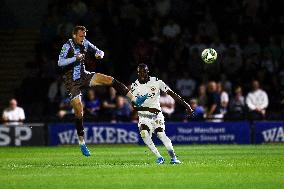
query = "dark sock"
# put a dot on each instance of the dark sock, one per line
(79, 126)
(172, 154)
(119, 87)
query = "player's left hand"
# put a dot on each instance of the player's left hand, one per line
(99, 54)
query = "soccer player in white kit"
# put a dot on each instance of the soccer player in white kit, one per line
(151, 119)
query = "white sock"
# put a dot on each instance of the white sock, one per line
(167, 143)
(130, 96)
(81, 140)
(149, 142)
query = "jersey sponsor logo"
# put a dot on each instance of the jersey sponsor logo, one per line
(77, 72)
(153, 88)
(151, 95)
(63, 50)
(70, 96)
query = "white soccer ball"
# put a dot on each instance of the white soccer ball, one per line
(209, 56)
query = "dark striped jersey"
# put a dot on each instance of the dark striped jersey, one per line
(67, 58)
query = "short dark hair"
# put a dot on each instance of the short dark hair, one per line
(77, 28)
(142, 65)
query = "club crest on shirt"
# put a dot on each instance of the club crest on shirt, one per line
(63, 51)
(153, 88)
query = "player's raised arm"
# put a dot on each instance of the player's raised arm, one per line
(99, 54)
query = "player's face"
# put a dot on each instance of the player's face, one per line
(142, 74)
(79, 37)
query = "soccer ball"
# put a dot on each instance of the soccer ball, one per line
(209, 56)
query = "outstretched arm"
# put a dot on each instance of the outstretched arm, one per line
(99, 54)
(180, 100)
(63, 60)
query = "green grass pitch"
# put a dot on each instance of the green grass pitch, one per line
(123, 166)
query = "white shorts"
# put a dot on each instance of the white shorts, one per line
(152, 121)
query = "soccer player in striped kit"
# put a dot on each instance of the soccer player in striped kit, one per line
(72, 60)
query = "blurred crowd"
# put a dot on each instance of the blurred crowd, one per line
(246, 82)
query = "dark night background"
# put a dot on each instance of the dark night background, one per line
(168, 35)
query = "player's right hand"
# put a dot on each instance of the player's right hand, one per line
(99, 54)
(80, 57)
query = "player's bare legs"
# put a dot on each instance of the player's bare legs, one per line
(78, 110)
(101, 79)
(147, 138)
(168, 144)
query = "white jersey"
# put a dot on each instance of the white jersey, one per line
(153, 88)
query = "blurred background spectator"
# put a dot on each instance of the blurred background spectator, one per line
(224, 98)
(13, 115)
(199, 111)
(213, 103)
(65, 112)
(92, 105)
(237, 105)
(257, 102)
(167, 104)
(202, 96)
(56, 92)
(122, 111)
(109, 104)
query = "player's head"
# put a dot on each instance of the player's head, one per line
(143, 73)
(79, 34)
